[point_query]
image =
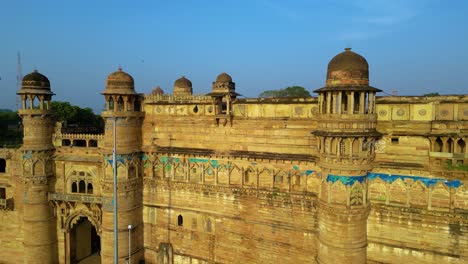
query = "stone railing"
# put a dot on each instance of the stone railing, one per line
(86, 140)
(169, 98)
(75, 198)
(79, 136)
(3, 203)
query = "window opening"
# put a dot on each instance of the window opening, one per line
(2, 165)
(82, 187)
(180, 220)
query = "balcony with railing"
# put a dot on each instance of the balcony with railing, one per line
(80, 198)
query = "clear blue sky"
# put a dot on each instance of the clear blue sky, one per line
(413, 47)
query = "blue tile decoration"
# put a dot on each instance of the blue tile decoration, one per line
(346, 180)
(426, 181)
(198, 160)
(308, 172)
(121, 158)
(27, 155)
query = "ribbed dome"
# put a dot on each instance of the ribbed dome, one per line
(35, 83)
(157, 90)
(224, 77)
(120, 82)
(183, 82)
(348, 68)
(35, 80)
(182, 86)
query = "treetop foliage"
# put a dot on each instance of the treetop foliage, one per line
(431, 94)
(291, 91)
(75, 115)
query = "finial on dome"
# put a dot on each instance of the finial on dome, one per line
(347, 49)
(120, 68)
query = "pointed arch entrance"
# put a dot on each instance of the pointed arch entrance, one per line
(84, 241)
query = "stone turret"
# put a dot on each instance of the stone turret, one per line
(346, 133)
(223, 94)
(123, 105)
(40, 240)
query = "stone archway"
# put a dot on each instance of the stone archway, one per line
(84, 242)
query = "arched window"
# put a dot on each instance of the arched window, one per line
(438, 145)
(74, 188)
(82, 187)
(111, 104)
(180, 220)
(90, 188)
(248, 175)
(450, 145)
(461, 146)
(120, 104)
(131, 172)
(66, 142)
(93, 143)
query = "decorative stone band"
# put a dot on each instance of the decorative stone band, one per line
(426, 181)
(346, 180)
(346, 213)
(350, 180)
(75, 198)
(123, 158)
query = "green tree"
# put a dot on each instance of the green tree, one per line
(291, 91)
(75, 115)
(431, 94)
(11, 134)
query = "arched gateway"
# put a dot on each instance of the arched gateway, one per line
(83, 239)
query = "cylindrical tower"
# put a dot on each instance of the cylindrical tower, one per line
(346, 133)
(40, 241)
(123, 106)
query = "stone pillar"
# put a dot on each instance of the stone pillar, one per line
(334, 108)
(338, 102)
(362, 103)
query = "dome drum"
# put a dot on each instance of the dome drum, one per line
(35, 83)
(182, 86)
(223, 85)
(120, 82)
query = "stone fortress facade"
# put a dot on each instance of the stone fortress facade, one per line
(345, 177)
